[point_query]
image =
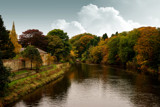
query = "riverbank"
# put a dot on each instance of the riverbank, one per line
(19, 88)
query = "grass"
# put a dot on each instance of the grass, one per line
(21, 72)
(23, 79)
(23, 86)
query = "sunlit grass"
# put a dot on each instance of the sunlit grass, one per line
(21, 72)
(23, 86)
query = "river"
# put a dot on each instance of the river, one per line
(96, 86)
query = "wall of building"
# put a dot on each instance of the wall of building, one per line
(17, 64)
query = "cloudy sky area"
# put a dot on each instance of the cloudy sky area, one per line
(79, 16)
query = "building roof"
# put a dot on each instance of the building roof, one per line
(40, 51)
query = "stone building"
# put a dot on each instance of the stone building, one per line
(21, 63)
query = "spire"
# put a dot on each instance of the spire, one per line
(13, 27)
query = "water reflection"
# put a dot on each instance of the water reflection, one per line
(98, 86)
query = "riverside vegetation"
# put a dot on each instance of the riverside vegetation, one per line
(23, 86)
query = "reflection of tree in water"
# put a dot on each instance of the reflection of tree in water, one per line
(140, 89)
(53, 90)
(84, 71)
(58, 90)
(146, 91)
(34, 98)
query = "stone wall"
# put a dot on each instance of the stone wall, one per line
(13, 64)
(17, 64)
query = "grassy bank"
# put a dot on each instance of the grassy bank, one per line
(23, 86)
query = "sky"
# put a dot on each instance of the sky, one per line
(79, 16)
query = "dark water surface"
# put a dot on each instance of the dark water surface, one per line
(96, 86)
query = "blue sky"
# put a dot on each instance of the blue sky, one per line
(78, 16)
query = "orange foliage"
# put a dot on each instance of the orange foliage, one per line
(84, 40)
(147, 45)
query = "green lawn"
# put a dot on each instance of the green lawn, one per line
(20, 72)
(31, 76)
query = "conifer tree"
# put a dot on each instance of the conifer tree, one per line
(105, 36)
(4, 80)
(14, 40)
(6, 45)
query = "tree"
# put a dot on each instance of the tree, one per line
(6, 45)
(33, 37)
(147, 47)
(96, 54)
(55, 46)
(126, 45)
(60, 33)
(33, 55)
(105, 36)
(113, 45)
(62, 50)
(82, 42)
(4, 78)
(14, 40)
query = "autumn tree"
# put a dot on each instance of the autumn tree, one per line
(6, 45)
(96, 54)
(14, 40)
(33, 55)
(33, 37)
(4, 78)
(147, 47)
(82, 42)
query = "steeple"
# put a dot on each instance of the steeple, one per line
(13, 27)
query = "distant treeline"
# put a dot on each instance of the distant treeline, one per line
(139, 48)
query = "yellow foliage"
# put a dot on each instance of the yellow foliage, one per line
(97, 53)
(50, 59)
(14, 40)
(73, 53)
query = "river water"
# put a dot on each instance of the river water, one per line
(96, 86)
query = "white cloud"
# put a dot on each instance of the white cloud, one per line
(72, 28)
(96, 20)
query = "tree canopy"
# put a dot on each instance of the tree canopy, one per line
(58, 44)
(58, 32)
(33, 37)
(14, 40)
(33, 55)
(6, 46)
(4, 78)
(105, 36)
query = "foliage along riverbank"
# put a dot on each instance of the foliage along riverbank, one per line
(28, 84)
(137, 49)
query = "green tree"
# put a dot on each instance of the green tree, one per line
(113, 45)
(126, 45)
(55, 46)
(105, 36)
(33, 55)
(60, 33)
(6, 45)
(4, 78)
(62, 50)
